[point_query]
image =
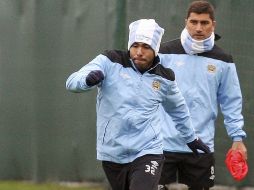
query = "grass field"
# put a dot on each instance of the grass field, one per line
(15, 185)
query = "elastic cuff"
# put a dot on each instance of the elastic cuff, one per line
(237, 139)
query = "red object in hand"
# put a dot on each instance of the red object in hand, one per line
(236, 164)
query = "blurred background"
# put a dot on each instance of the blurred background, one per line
(48, 133)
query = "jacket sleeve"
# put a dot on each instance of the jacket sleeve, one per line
(230, 100)
(175, 105)
(76, 82)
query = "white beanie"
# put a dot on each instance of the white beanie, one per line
(146, 31)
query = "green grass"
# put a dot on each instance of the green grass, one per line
(16, 185)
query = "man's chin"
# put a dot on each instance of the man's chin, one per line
(140, 62)
(199, 38)
(141, 67)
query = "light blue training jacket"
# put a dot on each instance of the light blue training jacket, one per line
(128, 119)
(207, 81)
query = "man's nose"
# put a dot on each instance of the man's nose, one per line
(199, 27)
(139, 51)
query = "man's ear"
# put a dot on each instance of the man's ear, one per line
(214, 25)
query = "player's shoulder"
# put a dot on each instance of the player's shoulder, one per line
(219, 54)
(175, 47)
(118, 56)
(172, 47)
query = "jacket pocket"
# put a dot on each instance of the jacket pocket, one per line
(154, 132)
(105, 128)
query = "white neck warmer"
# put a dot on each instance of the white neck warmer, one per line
(192, 46)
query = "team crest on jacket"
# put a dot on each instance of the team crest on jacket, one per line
(211, 68)
(156, 85)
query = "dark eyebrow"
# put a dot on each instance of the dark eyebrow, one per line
(201, 21)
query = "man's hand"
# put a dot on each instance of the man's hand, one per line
(239, 145)
(94, 77)
(196, 145)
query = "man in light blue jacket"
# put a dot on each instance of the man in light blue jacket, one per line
(131, 86)
(208, 79)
